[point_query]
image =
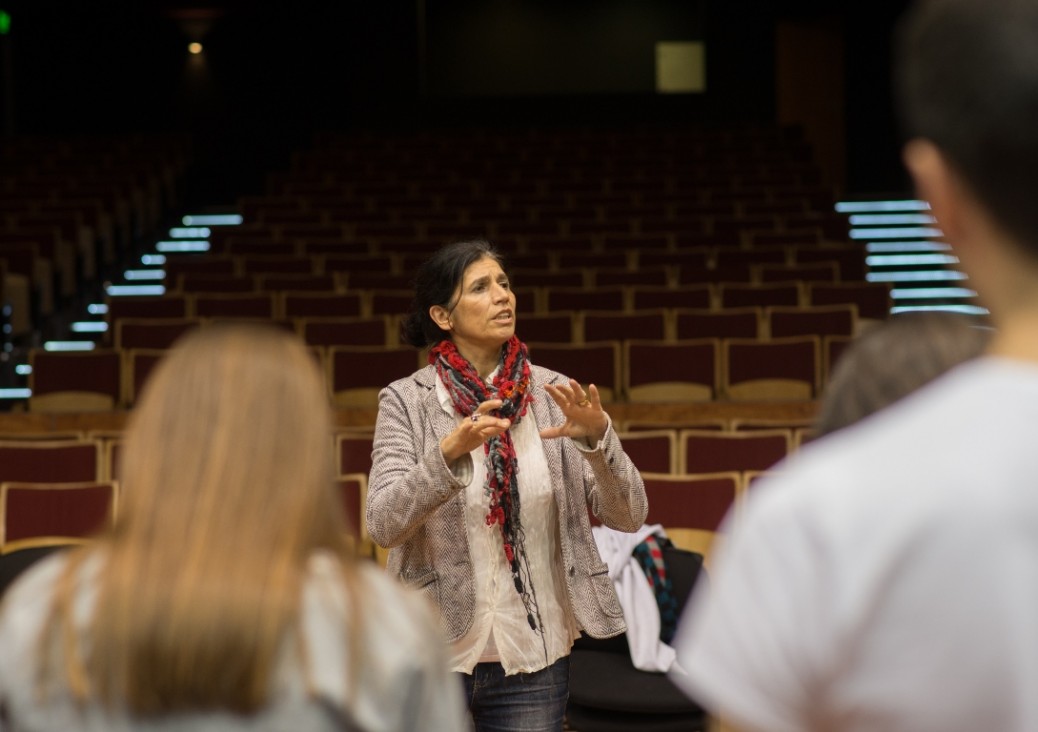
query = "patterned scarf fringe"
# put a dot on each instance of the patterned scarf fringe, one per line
(467, 391)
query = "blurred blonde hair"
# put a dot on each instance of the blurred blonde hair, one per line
(228, 489)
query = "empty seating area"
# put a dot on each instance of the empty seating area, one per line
(74, 208)
(698, 277)
(667, 267)
(64, 488)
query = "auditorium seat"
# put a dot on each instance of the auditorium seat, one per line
(652, 451)
(780, 368)
(580, 298)
(710, 451)
(871, 298)
(558, 327)
(138, 364)
(680, 371)
(375, 330)
(296, 304)
(356, 374)
(744, 322)
(235, 305)
(589, 363)
(691, 508)
(741, 294)
(34, 514)
(87, 381)
(820, 320)
(595, 325)
(690, 296)
(49, 461)
(154, 333)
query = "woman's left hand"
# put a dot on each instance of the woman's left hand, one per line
(584, 414)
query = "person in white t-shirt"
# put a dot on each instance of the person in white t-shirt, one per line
(886, 578)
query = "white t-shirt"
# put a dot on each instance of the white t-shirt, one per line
(887, 578)
(404, 682)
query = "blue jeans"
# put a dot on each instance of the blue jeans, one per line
(534, 702)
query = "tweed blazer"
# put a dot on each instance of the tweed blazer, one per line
(416, 507)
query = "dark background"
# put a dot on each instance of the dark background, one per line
(273, 75)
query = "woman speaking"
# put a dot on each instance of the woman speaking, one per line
(484, 469)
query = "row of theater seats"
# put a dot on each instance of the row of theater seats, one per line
(649, 267)
(55, 489)
(637, 371)
(561, 326)
(872, 300)
(709, 446)
(72, 208)
(569, 267)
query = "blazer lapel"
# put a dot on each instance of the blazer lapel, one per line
(440, 422)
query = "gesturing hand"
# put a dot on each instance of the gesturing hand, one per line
(584, 414)
(473, 431)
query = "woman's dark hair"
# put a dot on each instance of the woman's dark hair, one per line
(894, 358)
(435, 282)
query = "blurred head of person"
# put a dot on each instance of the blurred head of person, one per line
(966, 83)
(226, 492)
(891, 360)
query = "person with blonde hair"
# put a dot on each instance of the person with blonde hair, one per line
(225, 596)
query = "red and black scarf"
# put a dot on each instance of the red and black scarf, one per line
(467, 391)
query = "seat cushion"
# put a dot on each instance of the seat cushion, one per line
(608, 681)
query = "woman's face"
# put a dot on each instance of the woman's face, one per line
(483, 317)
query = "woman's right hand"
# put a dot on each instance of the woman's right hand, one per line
(474, 431)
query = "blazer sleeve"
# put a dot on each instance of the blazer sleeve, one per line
(613, 487)
(409, 477)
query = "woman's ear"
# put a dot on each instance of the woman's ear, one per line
(936, 182)
(441, 317)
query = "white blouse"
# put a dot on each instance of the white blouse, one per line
(500, 631)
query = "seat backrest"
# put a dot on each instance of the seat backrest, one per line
(620, 326)
(356, 374)
(712, 451)
(154, 333)
(350, 331)
(691, 508)
(780, 368)
(35, 512)
(580, 298)
(677, 371)
(353, 451)
(872, 299)
(353, 488)
(738, 294)
(726, 323)
(50, 461)
(782, 322)
(555, 327)
(689, 296)
(321, 304)
(589, 363)
(97, 372)
(235, 305)
(652, 451)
